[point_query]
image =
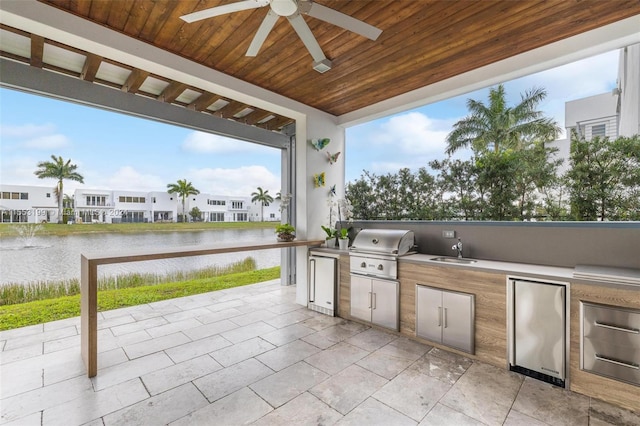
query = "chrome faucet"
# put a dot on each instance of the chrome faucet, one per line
(458, 247)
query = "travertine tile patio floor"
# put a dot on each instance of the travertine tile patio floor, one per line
(250, 355)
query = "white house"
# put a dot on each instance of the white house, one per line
(94, 205)
(164, 207)
(611, 114)
(271, 213)
(28, 204)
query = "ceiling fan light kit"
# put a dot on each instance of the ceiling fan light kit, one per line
(322, 66)
(291, 9)
(284, 7)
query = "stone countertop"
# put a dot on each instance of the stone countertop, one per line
(518, 270)
(510, 268)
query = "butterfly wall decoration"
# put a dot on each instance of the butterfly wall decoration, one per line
(318, 180)
(333, 157)
(320, 144)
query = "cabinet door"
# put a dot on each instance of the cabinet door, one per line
(385, 309)
(322, 285)
(458, 321)
(429, 313)
(361, 297)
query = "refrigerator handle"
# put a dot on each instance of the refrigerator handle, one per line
(445, 317)
(312, 290)
(439, 316)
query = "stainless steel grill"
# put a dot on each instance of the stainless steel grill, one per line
(375, 252)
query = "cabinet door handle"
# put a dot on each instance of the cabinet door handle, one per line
(439, 316)
(369, 300)
(617, 362)
(312, 296)
(374, 301)
(617, 328)
(445, 317)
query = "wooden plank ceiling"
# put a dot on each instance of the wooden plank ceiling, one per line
(422, 42)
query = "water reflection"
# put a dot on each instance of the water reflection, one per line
(58, 257)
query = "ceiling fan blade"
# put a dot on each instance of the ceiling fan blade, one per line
(224, 9)
(263, 31)
(334, 17)
(305, 34)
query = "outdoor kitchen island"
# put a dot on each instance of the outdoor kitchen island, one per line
(486, 280)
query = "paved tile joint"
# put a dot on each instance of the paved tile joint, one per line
(251, 355)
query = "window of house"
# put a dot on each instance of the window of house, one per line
(237, 204)
(121, 199)
(598, 130)
(6, 195)
(153, 199)
(48, 195)
(216, 217)
(15, 195)
(272, 215)
(24, 195)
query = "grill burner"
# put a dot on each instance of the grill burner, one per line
(375, 252)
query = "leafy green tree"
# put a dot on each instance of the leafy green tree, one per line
(496, 180)
(262, 197)
(60, 170)
(457, 185)
(604, 178)
(361, 194)
(425, 201)
(535, 173)
(498, 127)
(195, 214)
(183, 189)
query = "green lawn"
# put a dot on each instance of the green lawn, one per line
(21, 315)
(9, 229)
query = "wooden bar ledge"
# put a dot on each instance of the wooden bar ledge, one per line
(89, 283)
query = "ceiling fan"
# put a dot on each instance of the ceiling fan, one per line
(292, 10)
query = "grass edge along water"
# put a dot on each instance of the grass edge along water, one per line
(14, 293)
(42, 311)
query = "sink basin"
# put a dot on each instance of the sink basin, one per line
(453, 260)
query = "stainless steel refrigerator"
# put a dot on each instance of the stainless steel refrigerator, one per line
(538, 330)
(322, 284)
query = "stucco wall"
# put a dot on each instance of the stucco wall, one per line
(543, 243)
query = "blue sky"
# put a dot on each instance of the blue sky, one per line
(117, 151)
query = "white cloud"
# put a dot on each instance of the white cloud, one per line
(128, 178)
(48, 142)
(241, 181)
(208, 143)
(414, 133)
(32, 136)
(26, 131)
(19, 170)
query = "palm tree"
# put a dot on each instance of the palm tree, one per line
(60, 170)
(263, 198)
(499, 127)
(183, 189)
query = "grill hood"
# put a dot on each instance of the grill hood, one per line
(395, 242)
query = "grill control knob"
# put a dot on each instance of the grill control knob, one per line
(363, 265)
(380, 267)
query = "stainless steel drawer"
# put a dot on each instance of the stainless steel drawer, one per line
(611, 342)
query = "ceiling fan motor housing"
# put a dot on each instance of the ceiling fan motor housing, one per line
(284, 7)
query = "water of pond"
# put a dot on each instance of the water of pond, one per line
(47, 258)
